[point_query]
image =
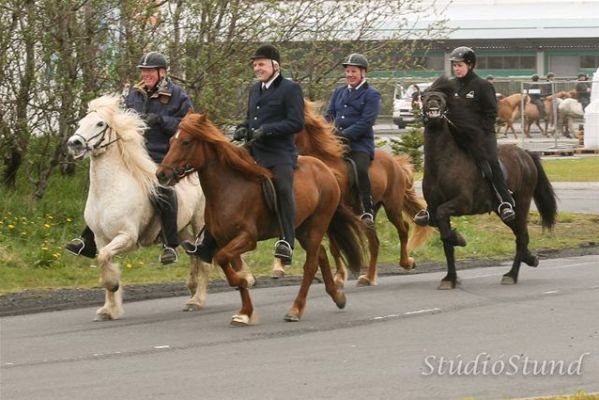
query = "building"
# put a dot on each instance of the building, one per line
(516, 38)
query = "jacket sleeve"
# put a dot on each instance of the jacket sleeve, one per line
(294, 107)
(170, 122)
(488, 106)
(367, 119)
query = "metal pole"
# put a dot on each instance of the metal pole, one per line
(522, 111)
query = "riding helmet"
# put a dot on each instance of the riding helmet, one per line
(357, 60)
(267, 51)
(582, 75)
(463, 54)
(152, 60)
(535, 78)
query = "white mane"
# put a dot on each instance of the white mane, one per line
(129, 128)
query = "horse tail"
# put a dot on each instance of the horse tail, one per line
(346, 233)
(544, 195)
(412, 203)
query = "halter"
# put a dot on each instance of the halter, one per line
(99, 144)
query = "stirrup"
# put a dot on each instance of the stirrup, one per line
(168, 255)
(422, 217)
(367, 218)
(506, 211)
(283, 251)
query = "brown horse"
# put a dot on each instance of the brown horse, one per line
(508, 111)
(238, 215)
(392, 188)
(453, 185)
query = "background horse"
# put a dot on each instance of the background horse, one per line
(569, 111)
(508, 111)
(238, 216)
(122, 183)
(392, 189)
(453, 185)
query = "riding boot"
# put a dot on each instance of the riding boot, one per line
(204, 250)
(283, 183)
(166, 205)
(367, 210)
(85, 245)
(506, 201)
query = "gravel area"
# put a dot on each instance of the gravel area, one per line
(43, 300)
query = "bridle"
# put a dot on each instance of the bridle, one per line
(442, 116)
(99, 145)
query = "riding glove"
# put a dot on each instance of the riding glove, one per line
(240, 133)
(259, 133)
(152, 119)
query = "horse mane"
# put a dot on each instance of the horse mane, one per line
(236, 157)
(317, 138)
(129, 129)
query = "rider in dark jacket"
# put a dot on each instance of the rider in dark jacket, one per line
(534, 92)
(161, 104)
(275, 113)
(583, 90)
(480, 98)
(354, 109)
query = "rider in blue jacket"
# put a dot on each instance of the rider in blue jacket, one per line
(354, 108)
(162, 104)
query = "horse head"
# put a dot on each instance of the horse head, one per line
(435, 100)
(104, 124)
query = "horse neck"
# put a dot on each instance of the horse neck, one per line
(438, 141)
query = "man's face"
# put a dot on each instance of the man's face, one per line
(353, 75)
(151, 76)
(460, 68)
(263, 69)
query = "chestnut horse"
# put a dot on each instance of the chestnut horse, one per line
(508, 111)
(453, 184)
(392, 188)
(238, 216)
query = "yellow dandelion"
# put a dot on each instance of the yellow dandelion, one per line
(49, 216)
(44, 248)
(56, 255)
(129, 265)
(69, 220)
(11, 226)
(141, 262)
(47, 226)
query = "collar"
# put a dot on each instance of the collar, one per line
(266, 85)
(350, 88)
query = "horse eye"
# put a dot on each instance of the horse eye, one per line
(100, 123)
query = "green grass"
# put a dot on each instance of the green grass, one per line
(566, 169)
(33, 232)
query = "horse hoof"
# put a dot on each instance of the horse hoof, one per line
(533, 261)
(114, 288)
(364, 281)
(291, 317)
(277, 273)
(409, 267)
(240, 320)
(192, 307)
(508, 280)
(103, 317)
(446, 285)
(341, 301)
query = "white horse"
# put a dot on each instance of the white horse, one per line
(119, 209)
(569, 110)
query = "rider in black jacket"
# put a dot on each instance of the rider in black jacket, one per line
(480, 98)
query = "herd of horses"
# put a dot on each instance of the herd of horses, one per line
(562, 104)
(219, 184)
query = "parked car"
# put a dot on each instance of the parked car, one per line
(404, 101)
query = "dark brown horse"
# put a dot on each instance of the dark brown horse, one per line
(392, 189)
(238, 215)
(453, 184)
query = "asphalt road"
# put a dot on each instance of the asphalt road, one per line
(400, 340)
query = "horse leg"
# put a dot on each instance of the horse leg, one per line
(369, 279)
(229, 259)
(450, 238)
(110, 277)
(311, 242)
(340, 269)
(331, 286)
(523, 254)
(197, 283)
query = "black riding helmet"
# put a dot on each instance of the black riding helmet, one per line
(152, 60)
(357, 60)
(267, 51)
(463, 54)
(535, 78)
